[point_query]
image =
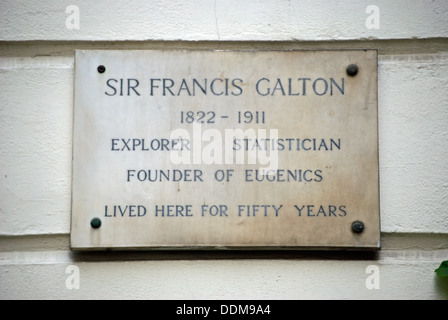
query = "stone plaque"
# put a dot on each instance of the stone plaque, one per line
(225, 149)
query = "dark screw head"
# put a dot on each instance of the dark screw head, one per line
(101, 69)
(352, 70)
(95, 223)
(357, 227)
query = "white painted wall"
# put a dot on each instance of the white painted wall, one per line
(36, 105)
(231, 20)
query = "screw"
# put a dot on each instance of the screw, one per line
(357, 227)
(95, 223)
(352, 70)
(101, 69)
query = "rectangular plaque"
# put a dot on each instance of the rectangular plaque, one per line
(225, 149)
